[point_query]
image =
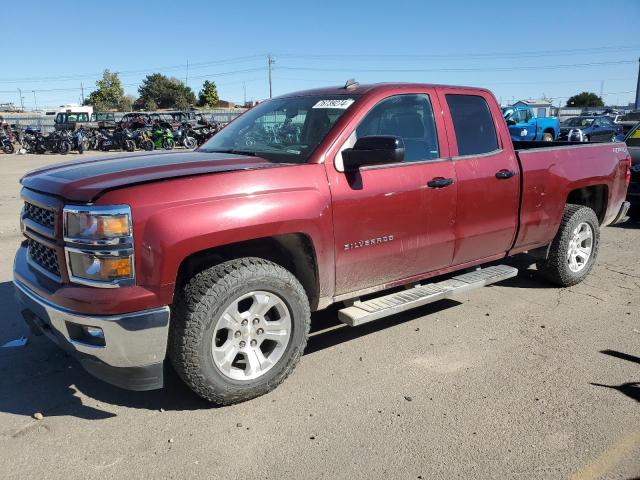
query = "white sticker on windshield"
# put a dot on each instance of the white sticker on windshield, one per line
(341, 104)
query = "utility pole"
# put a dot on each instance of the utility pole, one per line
(186, 78)
(35, 100)
(601, 88)
(244, 88)
(270, 62)
(21, 99)
(82, 92)
(638, 88)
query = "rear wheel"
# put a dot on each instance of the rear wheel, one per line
(239, 329)
(8, 148)
(575, 247)
(547, 137)
(147, 145)
(168, 144)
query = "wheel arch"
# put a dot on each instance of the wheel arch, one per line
(596, 197)
(294, 252)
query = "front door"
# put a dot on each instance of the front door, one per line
(487, 175)
(389, 223)
(525, 126)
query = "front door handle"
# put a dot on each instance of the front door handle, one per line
(504, 174)
(439, 182)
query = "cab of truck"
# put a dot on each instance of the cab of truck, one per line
(525, 126)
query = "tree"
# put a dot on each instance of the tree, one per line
(109, 94)
(208, 96)
(164, 92)
(585, 99)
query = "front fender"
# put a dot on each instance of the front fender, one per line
(175, 219)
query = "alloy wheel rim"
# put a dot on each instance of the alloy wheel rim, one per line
(251, 335)
(580, 247)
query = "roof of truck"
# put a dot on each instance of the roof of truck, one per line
(366, 88)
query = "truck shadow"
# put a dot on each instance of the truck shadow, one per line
(41, 378)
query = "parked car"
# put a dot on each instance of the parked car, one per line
(633, 144)
(220, 254)
(524, 125)
(629, 120)
(589, 129)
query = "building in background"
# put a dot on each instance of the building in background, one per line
(541, 108)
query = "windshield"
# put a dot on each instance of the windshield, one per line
(283, 130)
(578, 122)
(507, 112)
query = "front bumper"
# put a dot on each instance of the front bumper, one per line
(133, 348)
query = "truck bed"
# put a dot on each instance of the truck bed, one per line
(552, 171)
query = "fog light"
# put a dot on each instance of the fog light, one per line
(95, 332)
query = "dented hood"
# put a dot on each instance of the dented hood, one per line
(84, 180)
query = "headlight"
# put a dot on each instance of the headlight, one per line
(99, 245)
(97, 225)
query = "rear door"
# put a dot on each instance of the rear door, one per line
(389, 223)
(487, 173)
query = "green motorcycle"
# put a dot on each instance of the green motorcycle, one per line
(163, 138)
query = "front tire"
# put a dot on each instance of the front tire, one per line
(239, 330)
(575, 247)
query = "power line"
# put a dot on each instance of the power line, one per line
(500, 54)
(464, 69)
(134, 72)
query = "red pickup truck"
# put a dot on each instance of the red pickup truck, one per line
(358, 195)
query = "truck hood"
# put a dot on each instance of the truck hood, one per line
(84, 180)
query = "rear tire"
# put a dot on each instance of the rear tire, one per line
(8, 148)
(575, 247)
(201, 313)
(168, 144)
(147, 145)
(547, 137)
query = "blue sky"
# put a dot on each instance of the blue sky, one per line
(517, 49)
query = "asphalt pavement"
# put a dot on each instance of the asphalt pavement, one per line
(517, 380)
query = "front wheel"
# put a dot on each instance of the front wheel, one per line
(147, 145)
(8, 148)
(64, 147)
(575, 247)
(190, 142)
(239, 329)
(168, 144)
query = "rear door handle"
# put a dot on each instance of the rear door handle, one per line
(504, 174)
(439, 182)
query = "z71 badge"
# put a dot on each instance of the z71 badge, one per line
(368, 242)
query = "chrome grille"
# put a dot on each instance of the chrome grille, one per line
(44, 256)
(39, 215)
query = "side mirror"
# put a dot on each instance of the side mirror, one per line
(373, 150)
(511, 121)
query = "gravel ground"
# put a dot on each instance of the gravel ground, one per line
(517, 380)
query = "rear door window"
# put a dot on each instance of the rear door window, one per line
(473, 124)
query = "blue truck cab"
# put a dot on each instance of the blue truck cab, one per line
(524, 125)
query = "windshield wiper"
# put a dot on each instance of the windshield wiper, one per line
(231, 150)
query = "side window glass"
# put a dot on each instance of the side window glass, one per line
(409, 117)
(473, 124)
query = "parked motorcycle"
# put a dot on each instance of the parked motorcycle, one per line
(142, 139)
(184, 135)
(162, 137)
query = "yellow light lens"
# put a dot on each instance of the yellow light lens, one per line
(113, 226)
(116, 267)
